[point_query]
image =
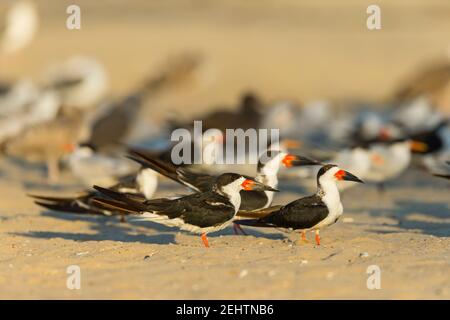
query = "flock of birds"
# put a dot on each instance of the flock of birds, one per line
(65, 121)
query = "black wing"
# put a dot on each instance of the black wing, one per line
(300, 214)
(199, 182)
(199, 209)
(82, 204)
(253, 200)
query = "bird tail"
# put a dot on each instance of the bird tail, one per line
(128, 204)
(72, 205)
(253, 223)
(122, 202)
(258, 214)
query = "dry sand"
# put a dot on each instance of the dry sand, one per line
(283, 49)
(406, 232)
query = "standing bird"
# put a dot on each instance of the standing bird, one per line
(310, 213)
(267, 171)
(199, 213)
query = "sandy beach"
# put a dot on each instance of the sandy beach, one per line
(286, 50)
(405, 232)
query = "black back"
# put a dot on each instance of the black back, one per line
(304, 213)
(200, 209)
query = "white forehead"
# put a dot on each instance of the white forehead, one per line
(236, 185)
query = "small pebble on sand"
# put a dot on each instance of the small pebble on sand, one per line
(363, 255)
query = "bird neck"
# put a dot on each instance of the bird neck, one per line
(268, 173)
(328, 190)
(232, 193)
(270, 180)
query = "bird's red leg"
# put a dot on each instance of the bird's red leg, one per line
(304, 236)
(317, 238)
(205, 240)
(237, 228)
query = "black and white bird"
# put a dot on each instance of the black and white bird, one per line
(200, 213)
(267, 170)
(143, 185)
(310, 213)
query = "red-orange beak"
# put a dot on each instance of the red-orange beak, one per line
(292, 160)
(418, 146)
(68, 147)
(249, 185)
(347, 176)
(287, 160)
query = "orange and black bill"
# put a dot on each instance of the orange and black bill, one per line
(292, 160)
(252, 185)
(347, 176)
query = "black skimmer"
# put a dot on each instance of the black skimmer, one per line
(143, 185)
(200, 213)
(201, 182)
(310, 213)
(432, 148)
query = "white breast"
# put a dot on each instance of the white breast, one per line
(332, 200)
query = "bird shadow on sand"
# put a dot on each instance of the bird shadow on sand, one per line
(427, 217)
(106, 228)
(112, 229)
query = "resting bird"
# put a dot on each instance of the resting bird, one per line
(200, 213)
(310, 213)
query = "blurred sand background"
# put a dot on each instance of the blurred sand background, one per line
(299, 50)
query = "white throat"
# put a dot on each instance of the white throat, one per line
(329, 192)
(231, 191)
